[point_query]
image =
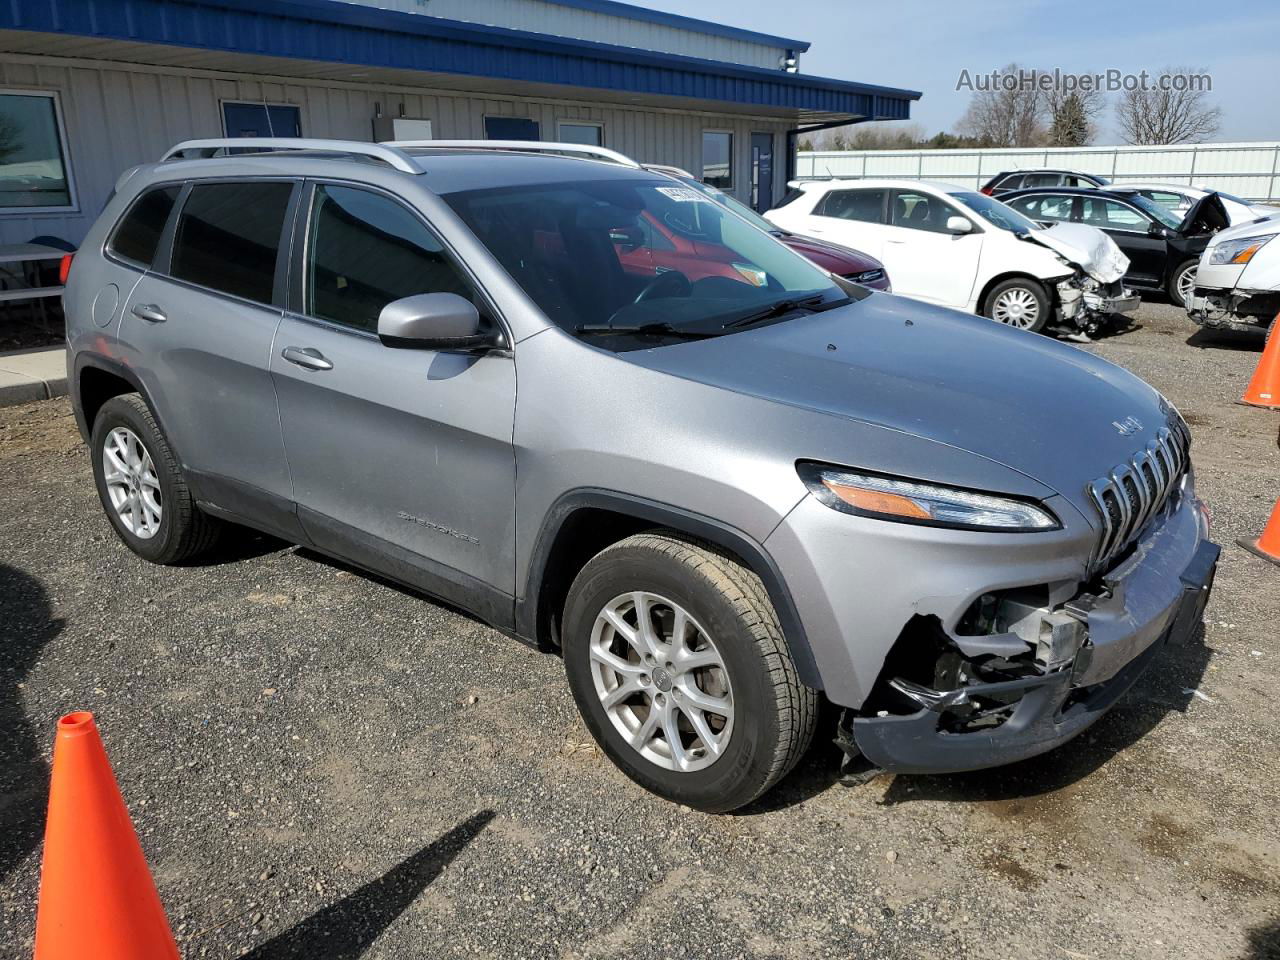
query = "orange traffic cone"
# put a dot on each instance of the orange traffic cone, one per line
(97, 898)
(1264, 388)
(1267, 546)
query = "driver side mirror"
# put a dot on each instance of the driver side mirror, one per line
(1156, 230)
(434, 321)
(959, 225)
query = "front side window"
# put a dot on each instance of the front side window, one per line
(717, 159)
(228, 236)
(1110, 215)
(624, 261)
(591, 134)
(864, 205)
(365, 250)
(33, 158)
(138, 235)
(921, 211)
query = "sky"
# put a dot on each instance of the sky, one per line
(925, 44)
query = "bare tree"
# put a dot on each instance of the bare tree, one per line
(1011, 116)
(1073, 116)
(1157, 115)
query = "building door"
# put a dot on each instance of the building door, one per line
(511, 128)
(761, 171)
(261, 119)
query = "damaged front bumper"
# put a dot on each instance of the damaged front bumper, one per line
(1088, 303)
(1155, 597)
(1233, 309)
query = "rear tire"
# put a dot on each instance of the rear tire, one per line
(142, 487)
(1182, 283)
(726, 690)
(1018, 302)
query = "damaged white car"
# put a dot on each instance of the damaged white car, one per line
(956, 247)
(1238, 279)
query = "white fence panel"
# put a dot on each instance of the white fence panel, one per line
(1250, 170)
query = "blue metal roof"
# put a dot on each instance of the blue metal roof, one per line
(632, 12)
(353, 34)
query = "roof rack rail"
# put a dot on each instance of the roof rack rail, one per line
(522, 146)
(388, 154)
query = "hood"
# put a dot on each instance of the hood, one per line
(1044, 409)
(1087, 247)
(831, 257)
(1207, 215)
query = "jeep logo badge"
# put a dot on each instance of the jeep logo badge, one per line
(1128, 426)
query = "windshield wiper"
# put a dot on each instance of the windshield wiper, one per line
(783, 307)
(663, 329)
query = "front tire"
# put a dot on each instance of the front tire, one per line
(1182, 283)
(142, 487)
(679, 668)
(1018, 302)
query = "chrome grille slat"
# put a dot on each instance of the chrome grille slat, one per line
(1135, 492)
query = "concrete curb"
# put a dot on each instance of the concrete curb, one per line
(30, 375)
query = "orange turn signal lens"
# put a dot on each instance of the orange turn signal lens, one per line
(1245, 255)
(877, 501)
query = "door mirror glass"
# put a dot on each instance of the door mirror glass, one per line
(432, 321)
(1156, 230)
(959, 225)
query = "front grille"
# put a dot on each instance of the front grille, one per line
(865, 276)
(1137, 490)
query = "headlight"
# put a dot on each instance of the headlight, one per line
(1238, 251)
(910, 501)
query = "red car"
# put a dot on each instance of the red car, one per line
(842, 261)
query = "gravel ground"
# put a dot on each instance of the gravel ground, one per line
(321, 765)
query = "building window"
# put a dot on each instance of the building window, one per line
(511, 128)
(33, 156)
(717, 158)
(243, 119)
(575, 131)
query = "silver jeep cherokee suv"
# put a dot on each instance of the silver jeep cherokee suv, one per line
(612, 419)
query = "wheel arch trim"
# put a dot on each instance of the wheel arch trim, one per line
(752, 553)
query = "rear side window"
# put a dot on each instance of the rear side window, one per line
(865, 205)
(1011, 183)
(138, 234)
(366, 250)
(228, 236)
(1042, 180)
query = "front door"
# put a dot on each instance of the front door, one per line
(761, 171)
(401, 459)
(202, 323)
(922, 257)
(1132, 232)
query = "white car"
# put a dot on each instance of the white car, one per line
(1179, 198)
(956, 247)
(1238, 279)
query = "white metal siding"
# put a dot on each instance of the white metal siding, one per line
(120, 116)
(1249, 170)
(538, 16)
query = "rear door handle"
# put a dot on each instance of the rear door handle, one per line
(149, 312)
(308, 357)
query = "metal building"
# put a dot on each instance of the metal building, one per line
(90, 87)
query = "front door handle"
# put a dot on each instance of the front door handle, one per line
(308, 357)
(149, 312)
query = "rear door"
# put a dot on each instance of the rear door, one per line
(1131, 230)
(401, 459)
(923, 257)
(201, 325)
(853, 218)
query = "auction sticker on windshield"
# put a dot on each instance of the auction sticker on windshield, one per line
(683, 194)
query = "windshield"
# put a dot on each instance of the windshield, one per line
(1156, 211)
(996, 213)
(608, 258)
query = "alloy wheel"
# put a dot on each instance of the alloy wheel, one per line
(132, 483)
(1017, 306)
(1187, 284)
(662, 681)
